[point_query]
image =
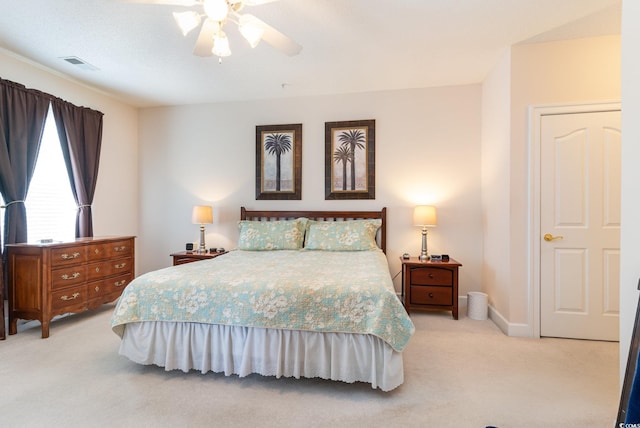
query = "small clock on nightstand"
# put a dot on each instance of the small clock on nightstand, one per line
(430, 284)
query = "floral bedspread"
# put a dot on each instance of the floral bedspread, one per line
(344, 292)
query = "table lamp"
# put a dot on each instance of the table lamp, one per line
(202, 214)
(424, 215)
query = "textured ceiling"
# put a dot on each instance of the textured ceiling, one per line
(348, 45)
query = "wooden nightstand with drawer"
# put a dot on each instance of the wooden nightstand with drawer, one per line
(430, 285)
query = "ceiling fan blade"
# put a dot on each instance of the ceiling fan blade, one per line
(186, 3)
(275, 38)
(204, 44)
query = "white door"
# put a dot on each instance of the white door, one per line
(580, 225)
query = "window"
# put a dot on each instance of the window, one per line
(51, 209)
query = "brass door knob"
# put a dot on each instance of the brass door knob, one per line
(549, 237)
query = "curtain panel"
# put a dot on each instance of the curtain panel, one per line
(80, 134)
(22, 115)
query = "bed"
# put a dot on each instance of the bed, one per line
(305, 294)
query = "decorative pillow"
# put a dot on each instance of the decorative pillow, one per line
(348, 235)
(272, 235)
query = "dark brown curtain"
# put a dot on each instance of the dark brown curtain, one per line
(22, 115)
(80, 134)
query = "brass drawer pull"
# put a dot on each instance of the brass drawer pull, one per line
(431, 295)
(120, 283)
(120, 266)
(97, 288)
(66, 256)
(70, 277)
(121, 248)
(73, 297)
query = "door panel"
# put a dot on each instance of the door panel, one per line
(580, 214)
(611, 305)
(570, 272)
(570, 179)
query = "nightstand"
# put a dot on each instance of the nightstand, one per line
(192, 256)
(430, 285)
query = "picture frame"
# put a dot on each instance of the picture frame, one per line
(279, 162)
(350, 159)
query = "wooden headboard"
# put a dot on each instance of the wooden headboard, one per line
(246, 214)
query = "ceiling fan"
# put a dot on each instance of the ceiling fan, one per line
(214, 14)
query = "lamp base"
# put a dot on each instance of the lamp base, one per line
(202, 249)
(424, 256)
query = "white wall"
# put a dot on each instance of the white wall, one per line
(571, 71)
(115, 205)
(496, 142)
(427, 151)
(564, 72)
(630, 232)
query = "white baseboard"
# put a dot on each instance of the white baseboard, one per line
(510, 329)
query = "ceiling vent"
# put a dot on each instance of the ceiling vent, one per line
(74, 60)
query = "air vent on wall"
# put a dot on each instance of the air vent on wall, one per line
(74, 60)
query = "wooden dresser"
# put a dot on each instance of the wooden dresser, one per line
(49, 279)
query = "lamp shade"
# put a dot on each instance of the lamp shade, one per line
(221, 45)
(202, 214)
(424, 215)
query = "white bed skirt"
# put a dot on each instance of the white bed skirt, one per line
(269, 352)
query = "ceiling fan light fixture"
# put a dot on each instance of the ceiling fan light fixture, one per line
(250, 30)
(221, 45)
(212, 15)
(216, 9)
(187, 21)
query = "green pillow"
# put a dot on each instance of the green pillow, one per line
(272, 235)
(348, 235)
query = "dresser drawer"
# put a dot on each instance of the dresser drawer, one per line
(68, 255)
(121, 248)
(73, 299)
(109, 268)
(68, 276)
(181, 260)
(428, 295)
(430, 276)
(109, 286)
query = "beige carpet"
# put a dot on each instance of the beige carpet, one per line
(462, 374)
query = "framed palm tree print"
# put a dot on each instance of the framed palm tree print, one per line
(350, 170)
(279, 162)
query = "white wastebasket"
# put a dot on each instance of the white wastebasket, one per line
(477, 305)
